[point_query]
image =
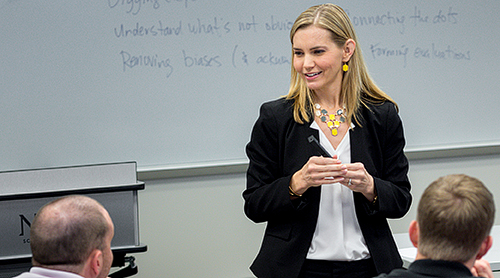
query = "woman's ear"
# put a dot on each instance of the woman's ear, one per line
(349, 48)
(414, 231)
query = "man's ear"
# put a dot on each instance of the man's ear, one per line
(96, 262)
(485, 246)
(414, 231)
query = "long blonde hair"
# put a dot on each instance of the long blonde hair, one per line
(358, 88)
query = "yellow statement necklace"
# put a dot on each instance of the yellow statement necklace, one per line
(333, 121)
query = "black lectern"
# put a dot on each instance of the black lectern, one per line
(23, 192)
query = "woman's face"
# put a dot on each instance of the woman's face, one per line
(317, 59)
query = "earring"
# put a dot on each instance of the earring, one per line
(345, 67)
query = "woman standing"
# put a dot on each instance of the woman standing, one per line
(326, 216)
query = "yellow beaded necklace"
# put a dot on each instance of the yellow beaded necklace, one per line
(331, 119)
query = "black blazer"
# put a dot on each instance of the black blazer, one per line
(279, 147)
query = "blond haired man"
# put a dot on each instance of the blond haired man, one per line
(452, 231)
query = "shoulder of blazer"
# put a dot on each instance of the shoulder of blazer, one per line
(281, 104)
(280, 108)
(377, 112)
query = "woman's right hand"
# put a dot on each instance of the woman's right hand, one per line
(317, 171)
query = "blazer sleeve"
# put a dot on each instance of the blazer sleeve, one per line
(391, 165)
(266, 195)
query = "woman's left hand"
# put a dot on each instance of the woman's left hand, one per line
(359, 180)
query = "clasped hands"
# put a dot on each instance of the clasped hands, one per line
(326, 170)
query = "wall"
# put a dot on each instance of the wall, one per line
(86, 82)
(195, 227)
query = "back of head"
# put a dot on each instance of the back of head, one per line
(65, 232)
(455, 214)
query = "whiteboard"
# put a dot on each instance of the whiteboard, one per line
(180, 82)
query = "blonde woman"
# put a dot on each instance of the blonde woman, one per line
(327, 166)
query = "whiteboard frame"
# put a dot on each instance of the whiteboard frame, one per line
(240, 166)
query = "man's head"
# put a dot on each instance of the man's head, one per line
(73, 234)
(454, 218)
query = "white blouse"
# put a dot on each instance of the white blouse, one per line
(337, 236)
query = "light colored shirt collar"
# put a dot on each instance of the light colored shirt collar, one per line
(45, 272)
